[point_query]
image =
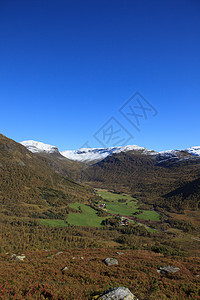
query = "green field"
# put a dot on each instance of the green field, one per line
(149, 215)
(114, 197)
(128, 208)
(88, 217)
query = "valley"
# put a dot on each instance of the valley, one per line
(110, 204)
(138, 202)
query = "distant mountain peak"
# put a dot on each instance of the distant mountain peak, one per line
(97, 154)
(93, 155)
(38, 147)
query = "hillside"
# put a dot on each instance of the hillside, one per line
(146, 174)
(52, 157)
(187, 196)
(42, 275)
(147, 177)
(65, 235)
(30, 187)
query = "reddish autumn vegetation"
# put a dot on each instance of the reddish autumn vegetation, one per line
(40, 275)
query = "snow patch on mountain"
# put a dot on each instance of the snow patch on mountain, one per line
(97, 154)
(92, 155)
(194, 150)
(38, 147)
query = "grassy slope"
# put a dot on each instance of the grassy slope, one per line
(87, 217)
(127, 208)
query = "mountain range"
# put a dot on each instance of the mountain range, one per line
(39, 181)
(155, 178)
(91, 155)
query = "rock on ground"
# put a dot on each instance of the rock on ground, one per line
(119, 293)
(168, 269)
(18, 257)
(109, 261)
(65, 269)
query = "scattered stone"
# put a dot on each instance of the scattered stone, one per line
(119, 293)
(119, 253)
(59, 253)
(81, 257)
(109, 261)
(65, 269)
(74, 257)
(168, 269)
(18, 257)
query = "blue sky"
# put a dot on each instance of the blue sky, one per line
(67, 67)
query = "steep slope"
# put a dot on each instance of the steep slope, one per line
(30, 187)
(51, 156)
(187, 196)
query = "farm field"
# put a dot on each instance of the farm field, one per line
(126, 205)
(87, 217)
(116, 204)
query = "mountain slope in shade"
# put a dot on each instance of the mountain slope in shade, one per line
(187, 196)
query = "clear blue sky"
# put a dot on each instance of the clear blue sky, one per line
(67, 67)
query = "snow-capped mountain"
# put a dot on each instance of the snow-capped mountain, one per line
(194, 150)
(92, 155)
(97, 154)
(38, 147)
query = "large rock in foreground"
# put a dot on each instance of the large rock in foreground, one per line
(119, 293)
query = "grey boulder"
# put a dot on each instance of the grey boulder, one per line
(109, 261)
(168, 269)
(119, 293)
